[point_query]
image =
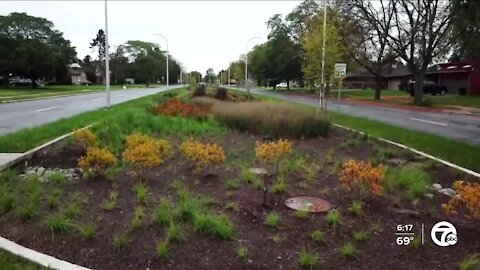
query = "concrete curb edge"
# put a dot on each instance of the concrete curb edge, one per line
(470, 172)
(37, 257)
(30, 152)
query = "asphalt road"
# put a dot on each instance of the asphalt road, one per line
(19, 115)
(459, 127)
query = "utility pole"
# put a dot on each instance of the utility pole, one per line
(107, 59)
(229, 64)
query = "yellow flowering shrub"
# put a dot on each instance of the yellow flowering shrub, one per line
(468, 198)
(85, 137)
(273, 152)
(97, 160)
(143, 152)
(203, 154)
(362, 177)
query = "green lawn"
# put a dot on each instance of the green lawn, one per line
(465, 101)
(9, 261)
(29, 138)
(8, 94)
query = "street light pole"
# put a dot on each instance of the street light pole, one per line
(166, 41)
(246, 65)
(229, 64)
(107, 59)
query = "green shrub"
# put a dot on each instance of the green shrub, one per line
(308, 259)
(356, 208)
(360, 236)
(470, 262)
(217, 225)
(87, 230)
(162, 214)
(174, 233)
(318, 237)
(120, 240)
(273, 219)
(57, 178)
(279, 187)
(221, 93)
(302, 214)
(200, 90)
(231, 185)
(277, 120)
(242, 253)
(59, 223)
(163, 249)
(112, 202)
(334, 218)
(141, 192)
(410, 179)
(7, 199)
(348, 251)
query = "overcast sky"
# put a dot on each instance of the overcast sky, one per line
(201, 34)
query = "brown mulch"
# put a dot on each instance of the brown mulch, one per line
(199, 251)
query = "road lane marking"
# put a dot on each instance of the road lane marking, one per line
(97, 99)
(431, 122)
(46, 109)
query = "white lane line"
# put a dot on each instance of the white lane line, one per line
(431, 122)
(98, 99)
(46, 109)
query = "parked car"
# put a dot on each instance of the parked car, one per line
(429, 87)
(281, 85)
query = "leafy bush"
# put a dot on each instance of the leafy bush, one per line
(308, 259)
(363, 178)
(273, 152)
(203, 154)
(176, 107)
(200, 90)
(414, 180)
(273, 219)
(278, 120)
(97, 160)
(222, 93)
(144, 152)
(334, 218)
(469, 199)
(85, 138)
(318, 237)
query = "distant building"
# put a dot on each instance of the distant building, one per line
(77, 74)
(461, 77)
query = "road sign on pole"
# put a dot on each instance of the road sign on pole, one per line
(340, 72)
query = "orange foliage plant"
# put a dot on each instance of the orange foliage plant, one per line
(468, 198)
(362, 178)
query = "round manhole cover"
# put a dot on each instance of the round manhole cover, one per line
(309, 204)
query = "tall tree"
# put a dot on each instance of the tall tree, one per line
(420, 35)
(465, 29)
(210, 76)
(365, 37)
(148, 61)
(312, 67)
(98, 45)
(31, 47)
(298, 19)
(119, 64)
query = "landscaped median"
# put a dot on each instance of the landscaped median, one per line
(208, 173)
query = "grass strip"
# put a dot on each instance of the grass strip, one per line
(28, 138)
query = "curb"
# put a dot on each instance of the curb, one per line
(470, 172)
(30, 152)
(37, 257)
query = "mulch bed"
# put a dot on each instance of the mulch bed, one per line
(198, 251)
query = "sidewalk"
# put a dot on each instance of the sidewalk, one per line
(6, 158)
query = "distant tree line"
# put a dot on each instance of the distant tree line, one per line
(368, 34)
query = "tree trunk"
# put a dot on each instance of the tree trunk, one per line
(420, 76)
(288, 85)
(378, 87)
(34, 82)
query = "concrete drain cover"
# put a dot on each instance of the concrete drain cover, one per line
(309, 204)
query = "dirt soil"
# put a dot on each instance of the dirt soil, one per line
(268, 248)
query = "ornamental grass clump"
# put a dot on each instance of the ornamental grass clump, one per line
(97, 160)
(271, 153)
(203, 155)
(467, 200)
(362, 178)
(143, 152)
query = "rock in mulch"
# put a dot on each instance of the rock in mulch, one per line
(436, 187)
(448, 191)
(428, 196)
(44, 174)
(258, 171)
(397, 161)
